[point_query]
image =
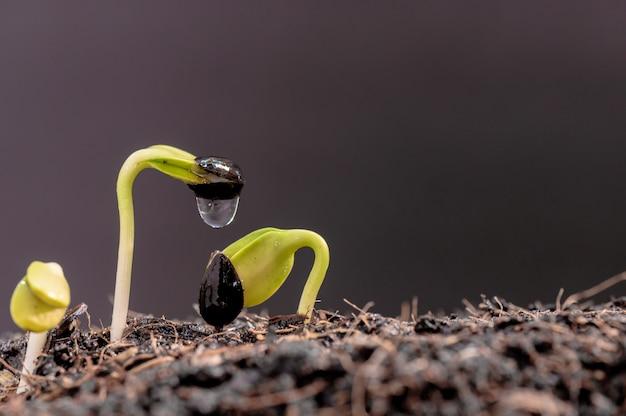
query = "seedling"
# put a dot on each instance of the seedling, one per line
(249, 271)
(38, 304)
(216, 182)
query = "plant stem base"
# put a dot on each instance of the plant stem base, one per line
(36, 343)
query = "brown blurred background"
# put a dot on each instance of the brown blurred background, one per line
(444, 150)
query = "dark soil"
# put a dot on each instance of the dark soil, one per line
(496, 358)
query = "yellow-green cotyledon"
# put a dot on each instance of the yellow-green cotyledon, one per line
(41, 298)
(38, 304)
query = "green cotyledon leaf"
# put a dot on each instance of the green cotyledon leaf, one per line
(40, 299)
(47, 282)
(263, 260)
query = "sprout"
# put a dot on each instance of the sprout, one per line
(38, 304)
(216, 182)
(250, 271)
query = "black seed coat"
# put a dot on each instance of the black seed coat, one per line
(217, 190)
(221, 292)
(228, 188)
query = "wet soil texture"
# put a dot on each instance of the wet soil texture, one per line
(497, 358)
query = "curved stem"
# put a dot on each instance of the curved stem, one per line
(130, 169)
(36, 342)
(175, 163)
(317, 273)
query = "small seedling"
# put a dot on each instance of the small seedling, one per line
(249, 271)
(216, 182)
(38, 304)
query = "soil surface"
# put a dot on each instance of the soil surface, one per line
(496, 358)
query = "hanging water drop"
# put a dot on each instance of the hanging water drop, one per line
(217, 213)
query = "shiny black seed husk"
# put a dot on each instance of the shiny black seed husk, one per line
(221, 292)
(230, 181)
(221, 167)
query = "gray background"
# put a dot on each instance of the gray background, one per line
(444, 150)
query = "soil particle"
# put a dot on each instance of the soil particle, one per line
(497, 358)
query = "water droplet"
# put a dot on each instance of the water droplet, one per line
(217, 213)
